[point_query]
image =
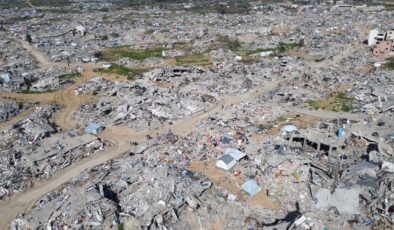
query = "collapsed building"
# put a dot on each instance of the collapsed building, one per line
(32, 149)
(289, 125)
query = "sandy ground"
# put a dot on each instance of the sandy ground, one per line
(231, 183)
(120, 137)
(329, 114)
(28, 2)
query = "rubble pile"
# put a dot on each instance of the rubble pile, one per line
(289, 170)
(50, 80)
(36, 81)
(121, 191)
(9, 110)
(150, 62)
(80, 41)
(32, 149)
(375, 93)
(15, 60)
(30, 129)
(20, 136)
(191, 116)
(293, 176)
(169, 94)
(126, 103)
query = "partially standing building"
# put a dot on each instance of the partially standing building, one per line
(372, 37)
(383, 48)
(390, 35)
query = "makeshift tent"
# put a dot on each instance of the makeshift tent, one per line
(229, 159)
(288, 129)
(251, 187)
(93, 128)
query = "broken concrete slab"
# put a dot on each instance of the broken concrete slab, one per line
(345, 200)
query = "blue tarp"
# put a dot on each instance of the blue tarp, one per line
(93, 128)
(226, 139)
(5, 78)
(251, 187)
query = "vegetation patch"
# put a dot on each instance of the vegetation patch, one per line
(194, 60)
(52, 3)
(335, 102)
(233, 8)
(389, 7)
(122, 71)
(227, 43)
(278, 49)
(19, 19)
(274, 127)
(70, 76)
(121, 226)
(227, 8)
(390, 64)
(113, 54)
(13, 4)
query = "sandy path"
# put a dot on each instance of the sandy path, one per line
(20, 202)
(231, 183)
(42, 60)
(349, 49)
(328, 114)
(28, 2)
(120, 137)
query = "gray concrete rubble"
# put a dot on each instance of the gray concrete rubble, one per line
(39, 81)
(9, 110)
(196, 115)
(121, 192)
(346, 201)
(33, 149)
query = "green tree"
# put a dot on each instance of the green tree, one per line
(281, 47)
(98, 54)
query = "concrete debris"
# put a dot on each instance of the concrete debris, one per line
(196, 115)
(12, 109)
(388, 167)
(34, 150)
(139, 191)
(345, 200)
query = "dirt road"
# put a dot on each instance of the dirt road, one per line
(42, 60)
(120, 137)
(328, 114)
(348, 49)
(28, 2)
(20, 202)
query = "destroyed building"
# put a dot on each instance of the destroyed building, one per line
(198, 115)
